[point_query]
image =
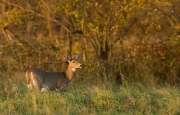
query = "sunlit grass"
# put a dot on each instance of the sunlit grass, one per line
(83, 98)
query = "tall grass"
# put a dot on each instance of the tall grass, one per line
(82, 98)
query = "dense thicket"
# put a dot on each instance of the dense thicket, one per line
(123, 40)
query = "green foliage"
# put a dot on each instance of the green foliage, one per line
(14, 16)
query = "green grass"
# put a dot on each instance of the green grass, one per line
(92, 98)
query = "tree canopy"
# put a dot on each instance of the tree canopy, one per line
(117, 39)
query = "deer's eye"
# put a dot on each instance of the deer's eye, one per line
(73, 61)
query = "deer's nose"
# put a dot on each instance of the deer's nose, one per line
(80, 66)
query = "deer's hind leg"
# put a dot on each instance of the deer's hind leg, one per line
(29, 80)
(33, 80)
(37, 80)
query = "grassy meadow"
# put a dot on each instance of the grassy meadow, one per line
(88, 98)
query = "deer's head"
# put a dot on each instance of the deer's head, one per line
(73, 63)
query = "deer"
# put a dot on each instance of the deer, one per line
(49, 81)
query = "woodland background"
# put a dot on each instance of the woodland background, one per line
(124, 41)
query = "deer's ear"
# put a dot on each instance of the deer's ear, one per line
(68, 61)
(76, 57)
(69, 57)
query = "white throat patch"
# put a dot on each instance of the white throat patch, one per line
(74, 69)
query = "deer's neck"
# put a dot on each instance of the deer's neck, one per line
(69, 73)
